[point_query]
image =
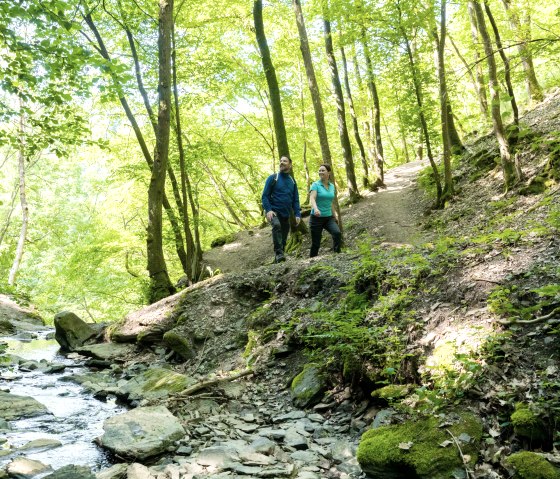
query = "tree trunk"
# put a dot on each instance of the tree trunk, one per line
(507, 165)
(353, 192)
(507, 67)
(179, 244)
(439, 39)
(375, 115)
(194, 254)
(23, 201)
(480, 85)
(270, 74)
(304, 133)
(315, 96)
(357, 137)
(160, 285)
(423, 122)
(524, 35)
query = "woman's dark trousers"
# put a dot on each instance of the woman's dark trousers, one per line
(317, 224)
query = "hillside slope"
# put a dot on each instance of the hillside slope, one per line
(421, 318)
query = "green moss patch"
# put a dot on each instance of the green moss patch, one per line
(528, 465)
(424, 448)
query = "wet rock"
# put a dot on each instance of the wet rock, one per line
(308, 386)
(72, 472)
(4, 425)
(70, 331)
(142, 432)
(22, 468)
(16, 407)
(6, 328)
(41, 444)
(106, 351)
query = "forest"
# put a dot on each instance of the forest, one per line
(133, 133)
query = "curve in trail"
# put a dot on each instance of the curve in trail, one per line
(394, 212)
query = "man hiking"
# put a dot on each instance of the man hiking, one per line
(280, 196)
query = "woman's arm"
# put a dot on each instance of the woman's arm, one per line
(313, 201)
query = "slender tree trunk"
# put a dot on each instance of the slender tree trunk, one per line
(507, 67)
(179, 243)
(439, 39)
(480, 84)
(315, 96)
(375, 115)
(423, 122)
(224, 198)
(507, 165)
(353, 192)
(160, 284)
(194, 255)
(524, 35)
(304, 133)
(8, 217)
(401, 127)
(270, 74)
(23, 201)
(356, 129)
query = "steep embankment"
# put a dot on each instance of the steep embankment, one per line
(468, 320)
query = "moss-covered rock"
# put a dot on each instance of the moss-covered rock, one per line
(527, 424)
(222, 240)
(528, 465)
(392, 392)
(419, 449)
(156, 383)
(181, 344)
(308, 386)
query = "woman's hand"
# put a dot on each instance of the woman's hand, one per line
(316, 212)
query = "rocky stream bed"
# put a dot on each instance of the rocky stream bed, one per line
(106, 416)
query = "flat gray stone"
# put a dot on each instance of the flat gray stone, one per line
(17, 407)
(142, 432)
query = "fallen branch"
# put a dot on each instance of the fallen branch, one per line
(463, 458)
(210, 382)
(530, 321)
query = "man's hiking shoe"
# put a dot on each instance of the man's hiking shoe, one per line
(280, 258)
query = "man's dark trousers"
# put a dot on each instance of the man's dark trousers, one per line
(316, 225)
(280, 230)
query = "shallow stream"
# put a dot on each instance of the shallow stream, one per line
(75, 418)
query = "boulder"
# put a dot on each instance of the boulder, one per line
(22, 468)
(71, 332)
(72, 472)
(118, 471)
(181, 344)
(156, 383)
(420, 449)
(529, 465)
(106, 351)
(308, 386)
(17, 407)
(141, 433)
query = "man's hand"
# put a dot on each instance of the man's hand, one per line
(298, 219)
(270, 215)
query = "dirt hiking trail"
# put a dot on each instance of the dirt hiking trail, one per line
(391, 215)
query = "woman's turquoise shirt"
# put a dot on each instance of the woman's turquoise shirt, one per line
(325, 197)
